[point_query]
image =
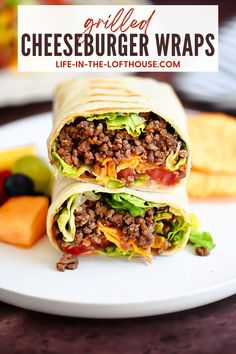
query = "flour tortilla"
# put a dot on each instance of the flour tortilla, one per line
(92, 96)
(64, 188)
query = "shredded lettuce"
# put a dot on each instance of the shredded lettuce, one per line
(66, 219)
(114, 251)
(132, 122)
(114, 183)
(161, 215)
(122, 201)
(177, 229)
(173, 162)
(159, 228)
(200, 238)
(62, 166)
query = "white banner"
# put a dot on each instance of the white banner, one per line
(117, 38)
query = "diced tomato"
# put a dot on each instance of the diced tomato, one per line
(124, 174)
(162, 176)
(76, 250)
(82, 249)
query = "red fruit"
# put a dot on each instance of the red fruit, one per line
(3, 176)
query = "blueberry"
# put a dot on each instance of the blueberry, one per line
(18, 184)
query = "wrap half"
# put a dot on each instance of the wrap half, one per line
(120, 132)
(87, 218)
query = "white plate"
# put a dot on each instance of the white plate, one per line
(116, 288)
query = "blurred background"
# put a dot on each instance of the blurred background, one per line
(22, 94)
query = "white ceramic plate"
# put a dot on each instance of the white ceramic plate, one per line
(116, 288)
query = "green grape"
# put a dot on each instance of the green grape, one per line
(38, 170)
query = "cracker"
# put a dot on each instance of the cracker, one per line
(213, 139)
(205, 185)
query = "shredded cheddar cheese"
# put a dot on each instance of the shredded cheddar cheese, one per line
(114, 236)
(159, 242)
(131, 162)
(110, 169)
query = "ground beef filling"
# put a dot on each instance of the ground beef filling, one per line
(89, 143)
(140, 229)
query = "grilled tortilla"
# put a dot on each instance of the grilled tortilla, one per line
(120, 132)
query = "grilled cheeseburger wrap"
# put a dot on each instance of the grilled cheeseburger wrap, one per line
(87, 218)
(120, 132)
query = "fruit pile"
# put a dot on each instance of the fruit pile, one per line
(25, 186)
(23, 173)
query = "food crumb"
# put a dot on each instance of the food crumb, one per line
(201, 251)
(67, 261)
